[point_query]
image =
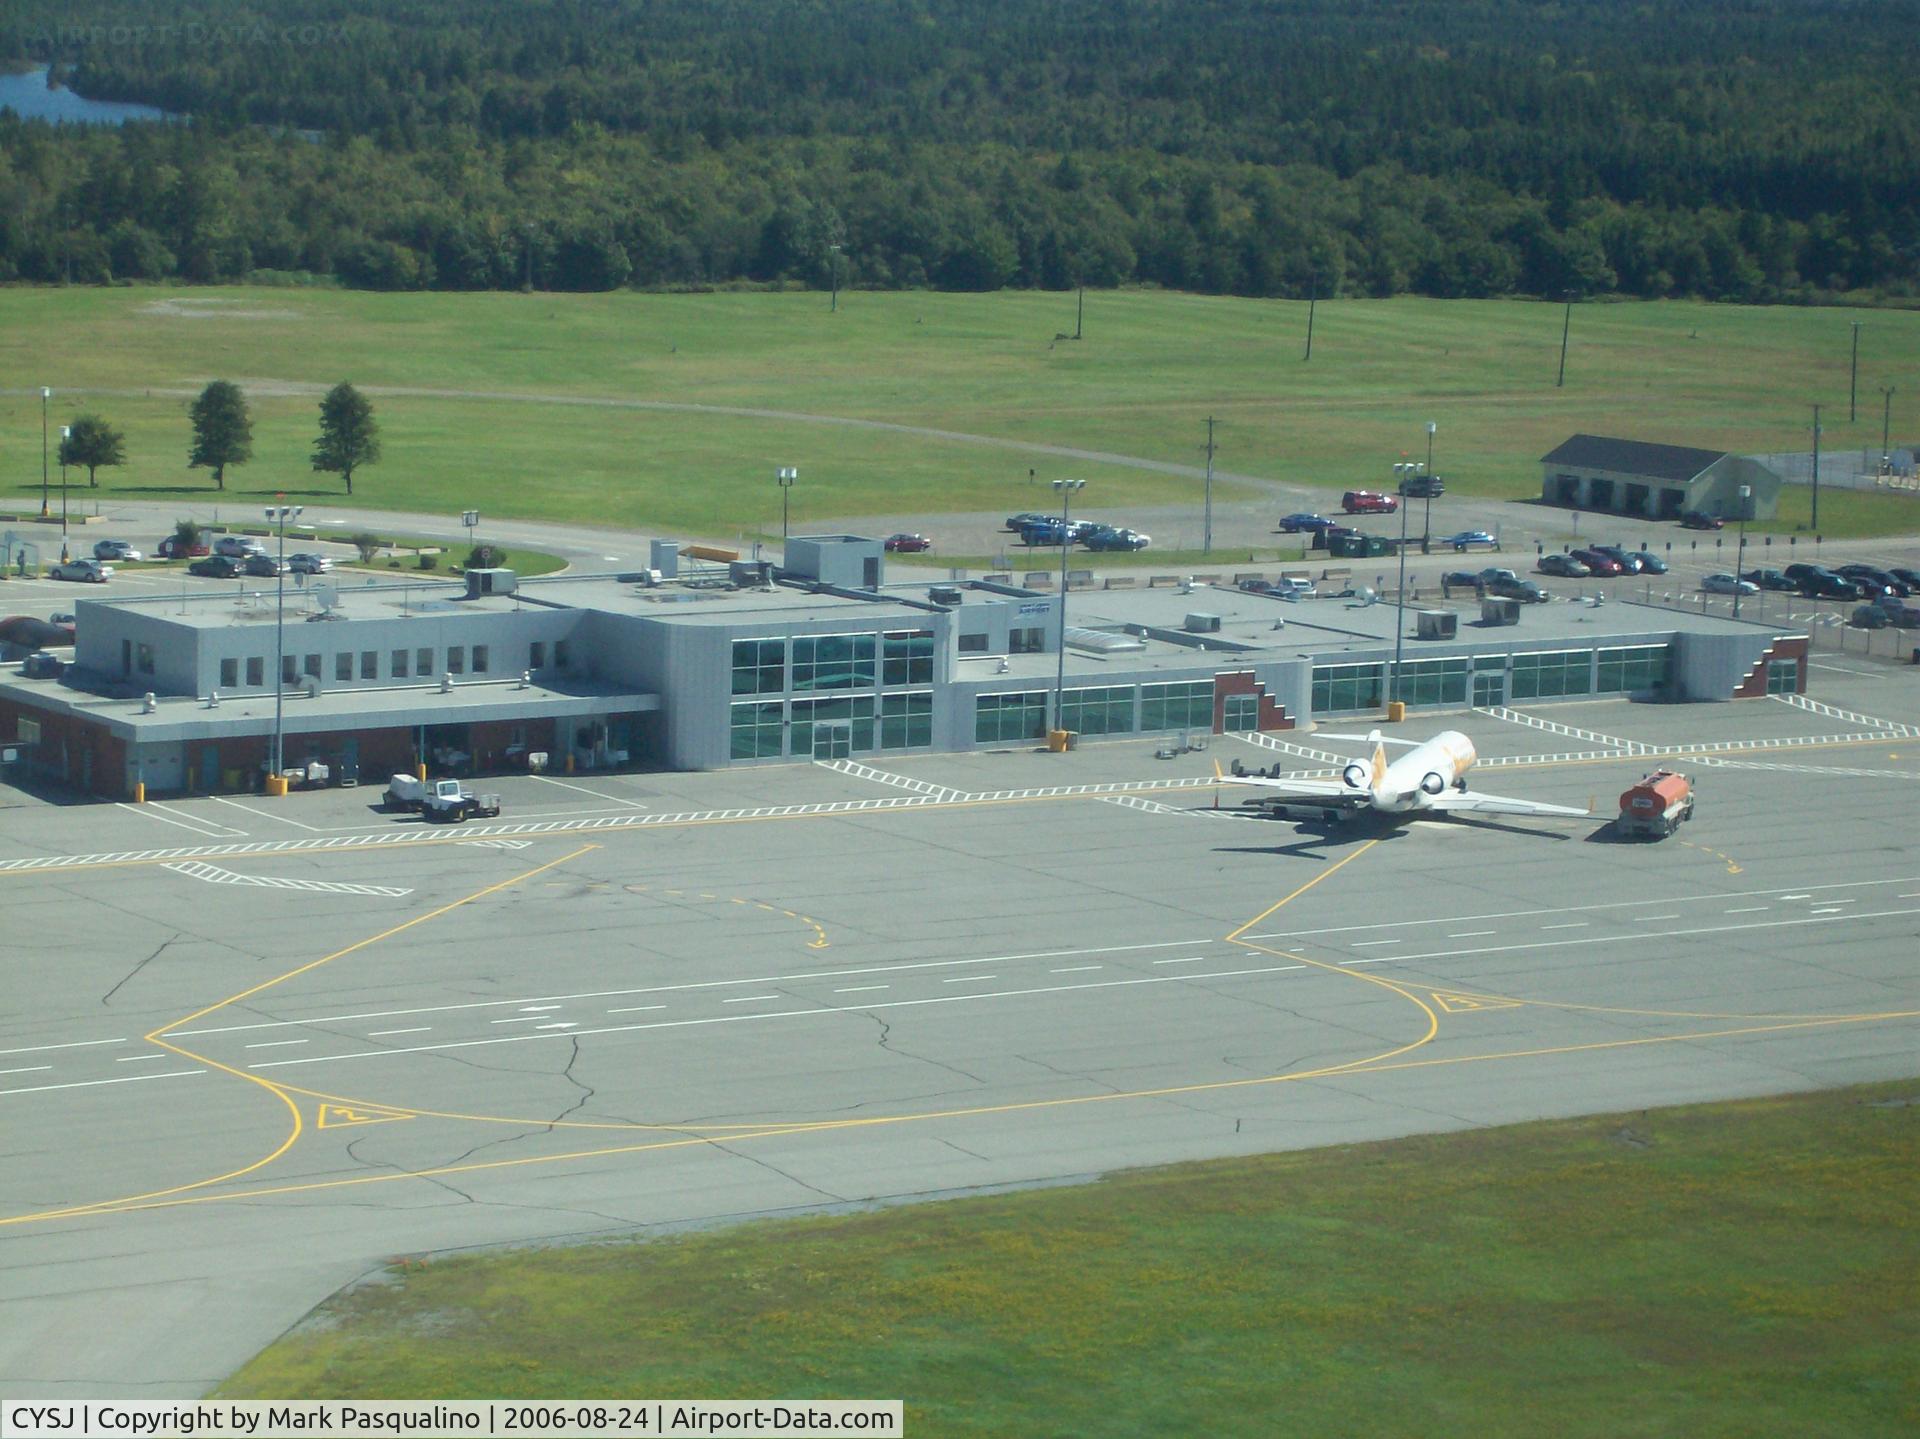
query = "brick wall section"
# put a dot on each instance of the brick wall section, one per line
(1754, 686)
(1272, 714)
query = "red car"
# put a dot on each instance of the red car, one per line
(171, 549)
(1367, 502)
(1599, 563)
(908, 544)
(1701, 520)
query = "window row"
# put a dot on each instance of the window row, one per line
(832, 662)
(348, 666)
(1631, 668)
(1107, 709)
(1545, 676)
(830, 728)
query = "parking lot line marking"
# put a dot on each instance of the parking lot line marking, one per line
(1796, 896)
(635, 1008)
(563, 1024)
(153, 810)
(27, 1069)
(1472, 933)
(582, 789)
(1577, 924)
(1197, 959)
(1650, 918)
(518, 1019)
(970, 979)
(749, 999)
(1746, 909)
(851, 989)
(263, 814)
(1071, 969)
(383, 1033)
(138, 1058)
(1369, 943)
(70, 1044)
(275, 1043)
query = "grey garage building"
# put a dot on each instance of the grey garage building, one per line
(1657, 482)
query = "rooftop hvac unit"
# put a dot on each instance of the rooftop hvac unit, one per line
(1437, 624)
(944, 594)
(1199, 623)
(491, 582)
(1495, 611)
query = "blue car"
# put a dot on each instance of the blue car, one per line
(1468, 538)
(1650, 563)
(1294, 524)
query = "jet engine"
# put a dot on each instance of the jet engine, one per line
(1434, 783)
(1355, 775)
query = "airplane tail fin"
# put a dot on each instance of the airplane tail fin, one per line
(1378, 771)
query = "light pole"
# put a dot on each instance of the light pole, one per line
(1400, 595)
(1740, 551)
(1426, 521)
(833, 262)
(276, 758)
(1815, 526)
(1886, 425)
(1066, 490)
(66, 433)
(785, 476)
(45, 396)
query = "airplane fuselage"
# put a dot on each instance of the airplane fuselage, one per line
(1412, 781)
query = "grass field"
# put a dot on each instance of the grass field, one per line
(540, 405)
(1736, 1269)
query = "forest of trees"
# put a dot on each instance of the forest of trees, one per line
(1727, 149)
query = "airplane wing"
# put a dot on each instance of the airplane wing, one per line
(1318, 790)
(1474, 802)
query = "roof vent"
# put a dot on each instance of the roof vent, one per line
(148, 704)
(1200, 623)
(944, 594)
(1437, 624)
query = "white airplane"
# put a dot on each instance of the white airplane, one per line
(1430, 777)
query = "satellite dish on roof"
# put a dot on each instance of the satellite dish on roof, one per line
(327, 594)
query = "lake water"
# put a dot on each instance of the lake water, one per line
(29, 97)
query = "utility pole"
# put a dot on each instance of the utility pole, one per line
(1816, 469)
(1313, 298)
(1566, 327)
(1886, 425)
(1853, 376)
(1206, 530)
(1080, 312)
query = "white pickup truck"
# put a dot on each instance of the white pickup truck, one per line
(441, 801)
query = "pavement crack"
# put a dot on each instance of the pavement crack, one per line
(772, 1168)
(165, 944)
(886, 1042)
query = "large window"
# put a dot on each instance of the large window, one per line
(1783, 677)
(852, 712)
(398, 659)
(1558, 672)
(1108, 710)
(997, 718)
(1177, 706)
(756, 730)
(906, 721)
(230, 673)
(907, 658)
(343, 666)
(1631, 668)
(1434, 682)
(1028, 640)
(256, 670)
(759, 667)
(369, 664)
(1346, 687)
(833, 662)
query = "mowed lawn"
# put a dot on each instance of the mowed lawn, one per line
(1734, 1269)
(547, 405)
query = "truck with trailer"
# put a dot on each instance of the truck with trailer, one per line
(441, 801)
(1655, 807)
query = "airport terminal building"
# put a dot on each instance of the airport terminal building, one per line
(703, 668)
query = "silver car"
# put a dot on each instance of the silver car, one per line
(305, 562)
(87, 571)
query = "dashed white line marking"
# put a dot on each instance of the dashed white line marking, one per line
(1796, 896)
(1370, 943)
(970, 979)
(138, 1058)
(1195, 960)
(635, 1008)
(382, 1033)
(1577, 924)
(1826, 911)
(1472, 933)
(538, 1008)
(862, 988)
(1651, 918)
(1076, 969)
(275, 1043)
(1746, 909)
(563, 1024)
(27, 1069)
(71, 1044)
(750, 999)
(517, 1019)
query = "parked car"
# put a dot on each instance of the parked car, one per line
(305, 562)
(1564, 565)
(1628, 560)
(261, 563)
(1899, 613)
(238, 547)
(170, 548)
(116, 550)
(1701, 520)
(1019, 522)
(86, 571)
(1873, 579)
(1870, 617)
(1044, 532)
(908, 544)
(1468, 538)
(1907, 577)
(1825, 585)
(1650, 563)
(1294, 524)
(1598, 562)
(1108, 538)
(1507, 585)
(1728, 585)
(217, 567)
(1368, 502)
(1769, 579)
(1423, 487)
